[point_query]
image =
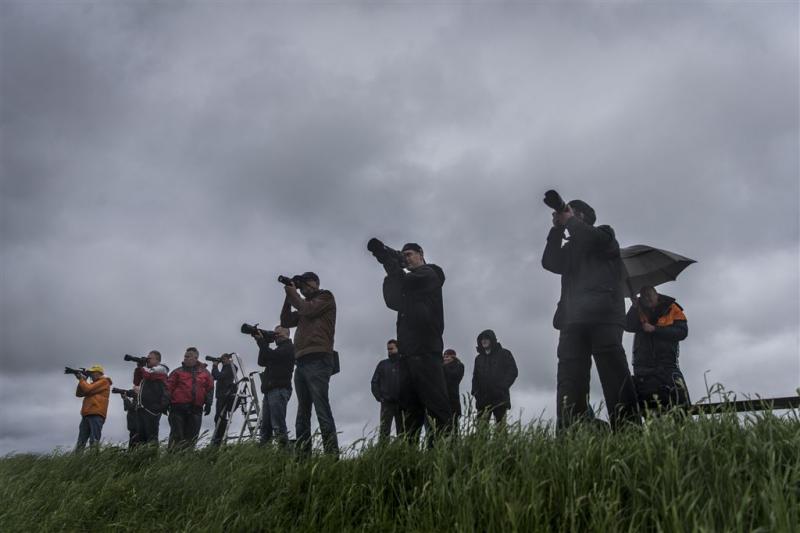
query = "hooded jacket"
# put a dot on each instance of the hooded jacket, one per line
(387, 380)
(95, 396)
(191, 385)
(592, 274)
(417, 298)
(278, 364)
(315, 320)
(493, 375)
(657, 351)
(453, 374)
(152, 382)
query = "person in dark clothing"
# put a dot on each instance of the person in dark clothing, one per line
(276, 384)
(590, 315)
(416, 295)
(494, 373)
(225, 393)
(191, 391)
(129, 405)
(315, 320)
(386, 386)
(152, 398)
(453, 374)
(659, 325)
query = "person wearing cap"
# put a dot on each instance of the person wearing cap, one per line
(453, 374)
(95, 393)
(191, 391)
(590, 316)
(225, 393)
(386, 386)
(276, 384)
(494, 372)
(416, 295)
(658, 324)
(314, 316)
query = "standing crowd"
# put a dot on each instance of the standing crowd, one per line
(418, 383)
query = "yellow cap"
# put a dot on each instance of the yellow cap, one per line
(95, 368)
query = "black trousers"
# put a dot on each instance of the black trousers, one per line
(486, 412)
(147, 425)
(661, 389)
(132, 425)
(424, 390)
(184, 424)
(390, 412)
(576, 346)
(222, 416)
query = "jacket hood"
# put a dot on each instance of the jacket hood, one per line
(439, 272)
(492, 337)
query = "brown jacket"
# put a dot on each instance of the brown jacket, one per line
(315, 320)
(95, 396)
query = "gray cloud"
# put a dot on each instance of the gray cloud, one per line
(162, 164)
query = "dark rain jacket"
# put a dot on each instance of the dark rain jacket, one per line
(453, 374)
(315, 320)
(592, 274)
(657, 351)
(387, 379)
(153, 394)
(417, 298)
(278, 364)
(225, 379)
(493, 375)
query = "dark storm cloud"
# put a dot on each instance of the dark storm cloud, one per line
(161, 164)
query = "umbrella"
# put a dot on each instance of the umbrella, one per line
(646, 265)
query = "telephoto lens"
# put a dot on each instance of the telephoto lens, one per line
(214, 359)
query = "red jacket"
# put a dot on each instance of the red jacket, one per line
(192, 385)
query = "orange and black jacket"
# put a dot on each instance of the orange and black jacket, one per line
(95, 396)
(658, 350)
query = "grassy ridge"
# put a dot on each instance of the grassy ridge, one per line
(709, 474)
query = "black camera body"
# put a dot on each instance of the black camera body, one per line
(385, 254)
(554, 201)
(76, 371)
(130, 393)
(138, 360)
(247, 329)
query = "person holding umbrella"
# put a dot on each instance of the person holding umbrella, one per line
(659, 325)
(590, 314)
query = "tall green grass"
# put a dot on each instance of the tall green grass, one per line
(714, 473)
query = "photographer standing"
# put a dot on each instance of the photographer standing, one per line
(225, 393)
(315, 320)
(95, 394)
(590, 314)
(386, 387)
(191, 390)
(150, 385)
(276, 384)
(416, 295)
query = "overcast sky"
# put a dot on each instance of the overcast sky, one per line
(163, 162)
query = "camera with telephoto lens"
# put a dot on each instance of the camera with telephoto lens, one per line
(215, 359)
(268, 335)
(286, 280)
(130, 393)
(76, 371)
(384, 254)
(138, 360)
(554, 201)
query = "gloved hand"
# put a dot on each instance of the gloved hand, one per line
(207, 409)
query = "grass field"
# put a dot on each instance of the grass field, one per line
(714, 473)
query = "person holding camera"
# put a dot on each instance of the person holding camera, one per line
(225, 393)
(314, 316)
(191, 390)
(590, 314)
(494, 373)
(276, 383)
(95, 392)
(453, 374)
(658, 324)
(152, 398)
(416, 295)
(386, 387)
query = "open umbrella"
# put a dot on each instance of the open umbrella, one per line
(650, 266)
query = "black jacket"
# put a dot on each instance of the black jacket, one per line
(417, 298)
(493, 375)
(278, 363)
(657, 351)
(453, 374)
(225, 381)
(386, 381)
(153, 394)
(592, 274)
